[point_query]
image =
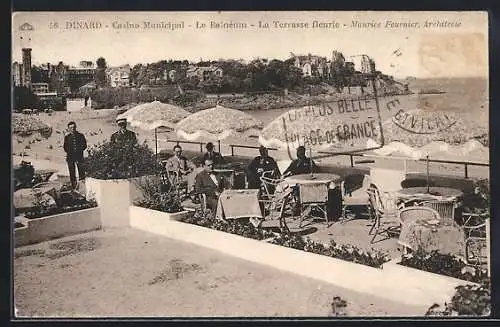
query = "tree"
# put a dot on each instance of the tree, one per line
(100, 73)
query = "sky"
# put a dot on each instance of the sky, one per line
(415, 51)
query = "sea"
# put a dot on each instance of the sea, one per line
(468, 97)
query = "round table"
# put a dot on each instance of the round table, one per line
(317, 178)
(434, 193)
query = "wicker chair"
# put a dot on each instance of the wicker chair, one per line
(475, 228)
(384, 221)
(410, 214)
(446, 209)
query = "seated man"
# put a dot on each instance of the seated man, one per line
(209, 184)
(216, 157)
(301, 165)
(180, 164)
(259, 165)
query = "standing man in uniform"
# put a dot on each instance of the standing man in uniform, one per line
(123, 135)
(74, 145)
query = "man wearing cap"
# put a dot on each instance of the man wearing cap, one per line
(74, 145)
(216, 157)
(259, 165)
(123, 135)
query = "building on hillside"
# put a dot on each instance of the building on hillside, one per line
(81, 75)
(40, 88)
(119, 76)
(170, 75)
(311, 65)
(64, 78)
(16, 73)
(204, 73)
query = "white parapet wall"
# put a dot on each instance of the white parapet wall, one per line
(114, 197)
(46, 228)
(394, 282)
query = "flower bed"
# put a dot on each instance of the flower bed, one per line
(244, 229)
(344, 252)
(444, 264)
(67, 202)
(50, 211)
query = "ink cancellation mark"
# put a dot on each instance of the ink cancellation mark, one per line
(353, 123)
(423, 125)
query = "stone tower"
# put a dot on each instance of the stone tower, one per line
(26, 68)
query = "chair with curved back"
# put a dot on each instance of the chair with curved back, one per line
(445, 208)
(385, 220)
(408, 215)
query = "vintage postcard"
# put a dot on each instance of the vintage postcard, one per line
(250, 164)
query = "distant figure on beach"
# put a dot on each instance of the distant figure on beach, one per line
(123, 135)
(179, 163)
(209, 184)
(74, 145)
(301, 165)
(216, 157)
(259, 165)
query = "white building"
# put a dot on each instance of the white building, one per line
(119, 76)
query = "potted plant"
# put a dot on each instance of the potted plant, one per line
(113, 172)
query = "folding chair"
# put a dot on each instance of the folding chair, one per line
(349, 201)
(269, 186)
(382, 216)
(313, 196)
(446, 209)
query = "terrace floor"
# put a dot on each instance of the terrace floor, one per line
(130, 273)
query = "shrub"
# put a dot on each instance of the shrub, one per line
(71, 202)
(468, 300)
(444, 264)
(236, 226)
(158, 196)
(121, 161)
(23, 175)
(344, 252)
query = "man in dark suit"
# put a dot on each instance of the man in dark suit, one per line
(259, 165)
(209, 184)
(74, 145)
(123, 135)
(216, 157)
(301, 165)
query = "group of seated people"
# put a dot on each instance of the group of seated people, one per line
(211, 184)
